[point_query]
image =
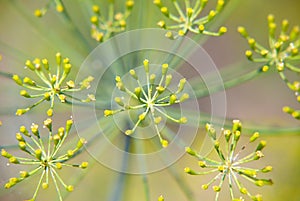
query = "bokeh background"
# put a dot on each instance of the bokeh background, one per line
(256, 103)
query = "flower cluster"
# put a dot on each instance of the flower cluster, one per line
(282, 53)
(189, 19)
(58, 5)
(53, 85)
(45, 156)
(102, 28)
(230, 164)
(150, 98)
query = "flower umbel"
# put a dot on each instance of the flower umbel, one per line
(44, 156)
(189, 19)
(282, 53)
(151, 98)
(54, 85)
(230, 164)
(58, 5)
(102, 28)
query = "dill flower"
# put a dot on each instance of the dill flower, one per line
(151, 98)
(188, 20)
(231, 163)
(44, 154)
(282, 53)
(103, 28)
(53, 84)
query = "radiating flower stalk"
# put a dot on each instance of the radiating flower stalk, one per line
(281, 54)
(104, 28)
(53, 85)
(151, 98)
(44, 154)
(188, 19)
(59, 6)
(231, 164)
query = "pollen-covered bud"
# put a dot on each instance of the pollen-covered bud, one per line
(262, 144)
(201, 28)
(252, 43)
(157, 120)
(160, 89)
(190, 151)
(173, 98)
(146, 65)
(70, 84)
(56, 139)
(267, 169)
(169, 35)
(182, 120)
(222, 30)
(48, 123)
(17, 80)
(19, 137)
(165, 11)
(69, 124)
(242, 31)
(108, 113)
(133, 74)
(35, 130)
(220, 5)
(162, 24)
(25, 94)
(22, 145)
(70, 188)
(5, 154)
(24, 174)
(84, 165)
(189, 171)
(29, 65)
(184, 97)
(265, 68)
(128, 132)
(24, 131)
(168, 80)
(217, 188)
(14, 160)
(189, 12)
(157, 3)
(164, 143)
(129, 4)
(80, 143)
(119, 101)
(254, 137)
(70, 153)
(211, 15)
(28, 81)
(237, 125)
(38, 154)
(142, 116)
(211, 131)
(152, 78)
(164, 68)
(181, 85)
(160, 198)
(249, 54)
(59, 8)
(96, 9)
(58, 58)
(138, 91)
(45, 185)
(202, 164)
(204, 186)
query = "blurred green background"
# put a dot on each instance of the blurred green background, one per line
(257, 102)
